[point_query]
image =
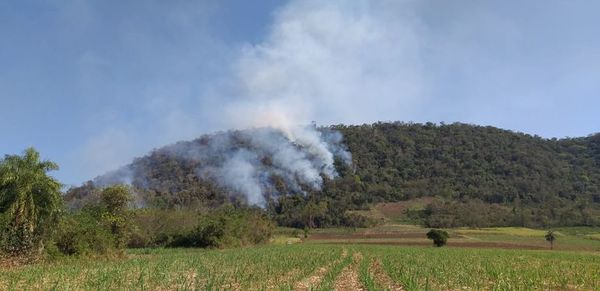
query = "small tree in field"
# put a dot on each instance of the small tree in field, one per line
(438, 236)
(550, 237)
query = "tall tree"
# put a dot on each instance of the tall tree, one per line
(550, 237)
(30, 201)
(115, 201)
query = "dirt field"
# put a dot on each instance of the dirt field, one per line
(502, 238)
(454, 244)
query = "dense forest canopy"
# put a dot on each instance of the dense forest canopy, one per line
(478, 176)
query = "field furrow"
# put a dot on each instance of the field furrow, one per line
(349, 277)
(315, 279)
(382, 279)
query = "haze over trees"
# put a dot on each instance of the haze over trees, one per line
(476, 176)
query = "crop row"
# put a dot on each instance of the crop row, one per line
(282, 267)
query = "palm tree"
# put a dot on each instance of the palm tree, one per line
(30, 201)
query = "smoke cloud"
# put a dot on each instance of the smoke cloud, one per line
(258, 163)
(336, 57)
(333, 62)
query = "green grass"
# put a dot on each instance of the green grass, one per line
(437, 268)
(281, 266)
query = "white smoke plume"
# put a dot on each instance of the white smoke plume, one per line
(330, 61)
(335, 57)
(240, 173)
(248, 161)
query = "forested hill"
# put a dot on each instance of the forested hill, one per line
(478, 176)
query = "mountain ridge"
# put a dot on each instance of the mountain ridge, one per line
(517, 178)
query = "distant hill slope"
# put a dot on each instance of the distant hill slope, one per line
(479, 176)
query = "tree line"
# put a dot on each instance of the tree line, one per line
(34, 222)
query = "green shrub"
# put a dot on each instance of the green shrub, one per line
(225, 227)
(243, 226)
(83, 234)
(438, 236)
(101, 227)
(160, 227)
(208, 233)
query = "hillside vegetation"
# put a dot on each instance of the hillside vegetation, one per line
(474, 176)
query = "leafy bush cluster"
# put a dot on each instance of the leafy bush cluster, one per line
(226, 226)
(101, 227)
(33, 220)
(439, 237)
(82, 234)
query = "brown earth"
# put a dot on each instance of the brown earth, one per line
(450, 244)
(382, 279)
(15, 262)
(395, 209)
(316, 278)
(365, 235)
(286, 278)
(349, 278)
(313, 280)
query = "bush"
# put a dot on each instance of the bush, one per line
(83, 234)
(99, 228)
(222, 228)
(243, 226)
(160, 227)
(438, 236)
(208, 233)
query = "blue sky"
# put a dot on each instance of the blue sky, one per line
(92, 84)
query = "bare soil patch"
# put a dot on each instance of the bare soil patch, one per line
(315, 279)
(382, 279)
(499, 245)
(349, 278)
(366, 235)
(312, 280)
(286, 278)
(16, 262)
(397, 209)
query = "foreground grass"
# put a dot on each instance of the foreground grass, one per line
(490, 269)
(285, 266)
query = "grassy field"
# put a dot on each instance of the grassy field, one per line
(317, 267)
(395, 257)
